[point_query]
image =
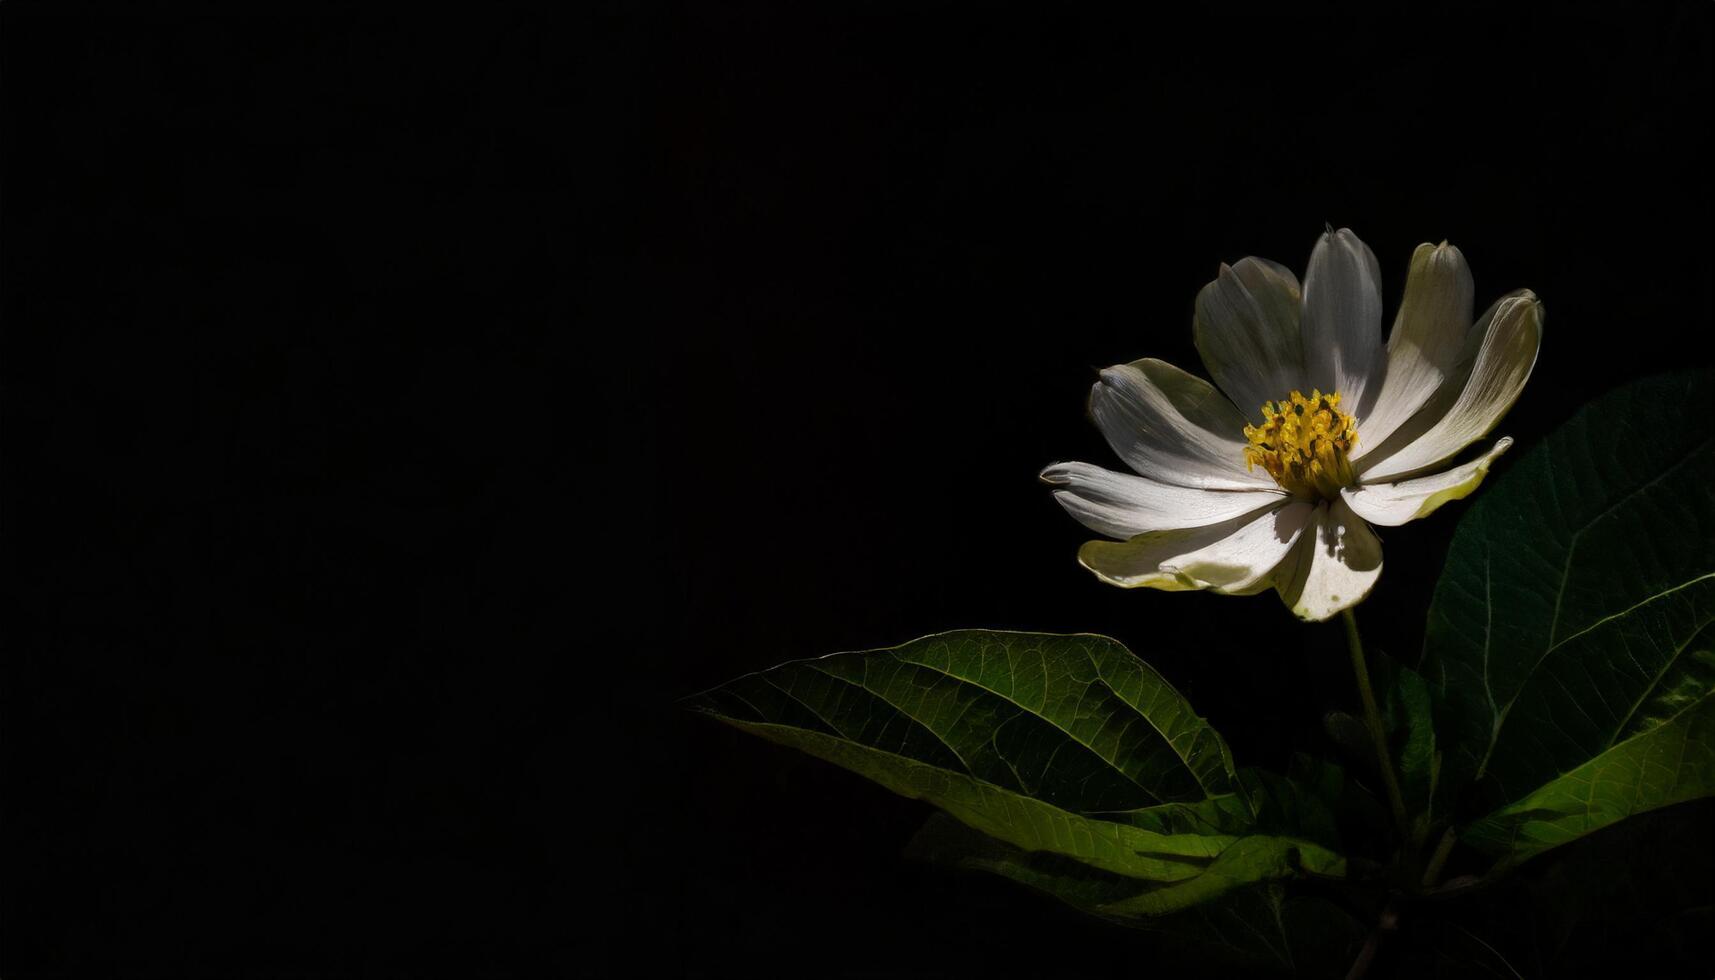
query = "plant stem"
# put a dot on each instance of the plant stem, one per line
(1366, 956)
(1387, 922)
(1373, 719)
(1438, 859)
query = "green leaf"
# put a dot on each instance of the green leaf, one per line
(1608, 905)
(1266, 924)
(1563, 624)
(1672, 762)
(1349, 733)
(947, 842)
(1247, 861)
(1410, 710)
(1067, 744)
(1300, 804)
(1408, 722)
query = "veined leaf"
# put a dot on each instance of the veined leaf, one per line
(1297, 810)
(1670, 763)
(1021, 820)
(1563, 624)
(1411, 709)
(1631, 901)
(1253, 924)
(1408, 723)
(1348, 732)
(1247, 861)
(1300, 804)
(1066, 744)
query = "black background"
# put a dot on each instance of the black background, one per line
(401, 414)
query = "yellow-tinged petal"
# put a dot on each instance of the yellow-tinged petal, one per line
(1392, 504)
(1238, 557)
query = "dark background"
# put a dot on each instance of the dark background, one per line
(401, 414)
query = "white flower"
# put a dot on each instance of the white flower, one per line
(1256, 484)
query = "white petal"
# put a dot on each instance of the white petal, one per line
(1333, 568)
(1342, 320)
(1121, 505)
(1423, 349)
(1235, 557)
(1247, 332)
(1500, 353)
(1173, 427)
(1392, 504)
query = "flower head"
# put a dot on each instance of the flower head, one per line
(1265, 482)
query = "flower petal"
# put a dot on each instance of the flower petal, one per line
(1423, 349)
(1342, 320)
(1247, 332)
(1495, 363)
(1173, 427)
(1121, 505)
(1392, 504)
(1333, 568)
(1235, 557)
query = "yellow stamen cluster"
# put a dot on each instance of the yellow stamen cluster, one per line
(1302, 443)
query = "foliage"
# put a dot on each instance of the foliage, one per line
(1567, 683)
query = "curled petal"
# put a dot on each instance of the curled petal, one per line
(1392, 504)
(1236, 557)
(1495, 364)
(1423, 349)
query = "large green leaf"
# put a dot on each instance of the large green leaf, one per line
(1264, 924)
(1066, 744)
(1563, 626)
(1670, 763)
(1613, 904)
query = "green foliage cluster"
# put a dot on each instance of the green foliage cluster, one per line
(1566, 684)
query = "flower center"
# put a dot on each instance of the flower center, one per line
(1302, 443)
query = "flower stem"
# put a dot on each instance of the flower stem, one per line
(1373, 720)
